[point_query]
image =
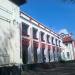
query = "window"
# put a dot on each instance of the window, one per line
(43, 56)
(63, 55)
(24, 29)
(35, 55)
(59, 43)
(49, 54)
(56, 42)
(48, 39)
(35, 47)
(42, 36)
(54, 53)
(34, 33)
(25, 45)
(52, 40)
(68, 55)
(58, 54)
(25, 54)
(66, 44)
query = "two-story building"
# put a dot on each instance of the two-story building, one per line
(39, 44)
(68, 52)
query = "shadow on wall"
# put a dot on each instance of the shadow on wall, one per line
(5, 44)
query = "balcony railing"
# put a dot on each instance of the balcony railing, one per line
(35, 44)
(25, 42)
(49, 46)
(42, 45)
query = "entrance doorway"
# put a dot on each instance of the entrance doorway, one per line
(25, 54)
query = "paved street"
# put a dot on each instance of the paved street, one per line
(67, 69)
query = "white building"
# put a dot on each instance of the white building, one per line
(68, 52)
(39, 44)
(10, 32)
(23, 40)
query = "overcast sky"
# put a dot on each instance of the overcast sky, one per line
(54, 14)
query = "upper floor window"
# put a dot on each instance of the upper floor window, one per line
(56, 42)
(42, 36)
(59, 43)
(52, 40)
(34, 33)
(48, 41)
(25, 29)
(66, 44)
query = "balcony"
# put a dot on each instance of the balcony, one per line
(49, 46)
(43, 45)
(25, 42)
(35, 44)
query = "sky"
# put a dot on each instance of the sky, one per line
(54, 14)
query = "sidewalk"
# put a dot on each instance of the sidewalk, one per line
(61, 69)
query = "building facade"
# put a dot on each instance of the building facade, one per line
(68, 52)
(23, 40)
(9, 27)
(39, 44)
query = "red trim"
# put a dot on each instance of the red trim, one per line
(49, 46)
(53, 46)
(25, 42)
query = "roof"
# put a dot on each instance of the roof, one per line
(67, 39)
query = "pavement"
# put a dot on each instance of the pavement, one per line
(61, 69)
